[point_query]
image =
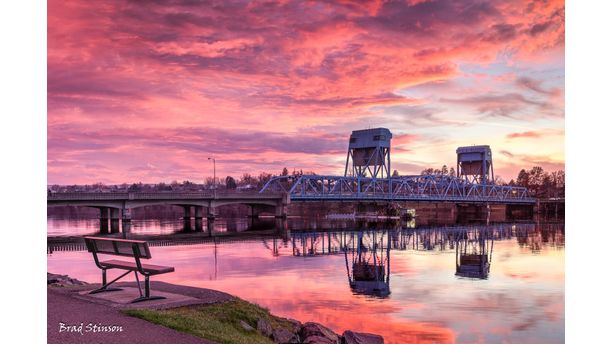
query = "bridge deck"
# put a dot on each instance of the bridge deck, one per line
(432, 188)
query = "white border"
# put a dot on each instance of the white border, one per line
(588, 130)
(23, 92)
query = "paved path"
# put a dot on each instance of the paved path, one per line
(66, 306)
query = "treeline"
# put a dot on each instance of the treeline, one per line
(445, 171)
(540, 183)
(244, 182)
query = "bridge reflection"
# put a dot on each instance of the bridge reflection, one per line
(366, 248)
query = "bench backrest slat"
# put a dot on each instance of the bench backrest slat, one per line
(118, 247)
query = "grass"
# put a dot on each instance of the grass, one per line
(217, 322)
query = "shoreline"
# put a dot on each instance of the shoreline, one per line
(211, 315)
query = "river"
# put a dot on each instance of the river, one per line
(436, 284)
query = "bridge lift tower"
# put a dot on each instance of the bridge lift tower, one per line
(475, 164)
(371, 265)
(369, 154)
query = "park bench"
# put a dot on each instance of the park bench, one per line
(136, 249)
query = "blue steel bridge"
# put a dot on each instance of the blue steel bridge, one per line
(432, 188)
(367, 176)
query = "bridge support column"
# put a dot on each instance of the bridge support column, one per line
(198, 211)
(280, 211)
(198, 218)
(187, 218)
(212, 213)
(187, 213)
(103, 220)
(254, 211)
(280, 224)
(114, 212)
(126, 220)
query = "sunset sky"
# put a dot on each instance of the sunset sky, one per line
(147, 91)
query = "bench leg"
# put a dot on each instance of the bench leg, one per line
(147, 296)
(105, 287)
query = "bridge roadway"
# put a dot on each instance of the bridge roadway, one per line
(418, 188)
(280, 191)
(275, 203)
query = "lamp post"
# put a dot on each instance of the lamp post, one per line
(214, 176)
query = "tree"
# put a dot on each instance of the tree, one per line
(523, 179)
(428, 171)
(230, 183)
(499, 181)
(135, 187)
(210, 182)
(541, 183)
(263, 179)
(247, 179)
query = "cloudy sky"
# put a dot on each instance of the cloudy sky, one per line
(147, 91)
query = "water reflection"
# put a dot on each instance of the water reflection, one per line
(368, 268)
(474, 251)
(408, 284)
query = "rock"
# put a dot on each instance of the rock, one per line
(283, 336)
(264, 327)
(246, 326)
(350, 337)
(56, 280)
(315, 333)
(297, 325)
(317, 340)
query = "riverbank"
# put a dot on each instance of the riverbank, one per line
(188, 315)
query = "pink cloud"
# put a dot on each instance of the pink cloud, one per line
(529, 134)
(178, 79)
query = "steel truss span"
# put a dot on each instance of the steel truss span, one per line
(404, 188)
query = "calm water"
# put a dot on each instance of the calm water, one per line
(514, 292)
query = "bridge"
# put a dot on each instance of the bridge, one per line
(367, 178)
(423, 188)
(205, 204)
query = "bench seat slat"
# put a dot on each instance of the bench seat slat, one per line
(149, 268)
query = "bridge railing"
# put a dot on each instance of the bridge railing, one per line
(161, 195)
(421, 187)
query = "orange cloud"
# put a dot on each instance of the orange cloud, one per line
(530, 134)
(279, 68)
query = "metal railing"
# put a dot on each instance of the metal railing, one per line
(411, 188)
(161, 195)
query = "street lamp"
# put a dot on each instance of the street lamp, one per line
(214, 175)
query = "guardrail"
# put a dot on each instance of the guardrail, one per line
(417, 188)
(125, 196)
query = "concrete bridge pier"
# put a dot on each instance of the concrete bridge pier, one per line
(126, 220)
(212, 213)
(199, 225)
(253, 211)
(280, 211)
(198, 218)
(187, 218)
(103, 220)
(114, 212)
(210, 227)
(280, 224)
(187, 212)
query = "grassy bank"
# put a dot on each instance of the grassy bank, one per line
(217, 322)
